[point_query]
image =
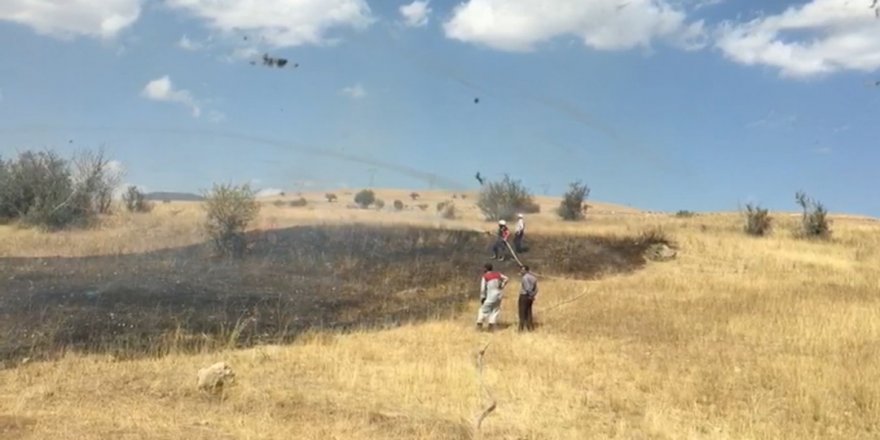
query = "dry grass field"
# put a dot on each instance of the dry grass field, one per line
(737, 338)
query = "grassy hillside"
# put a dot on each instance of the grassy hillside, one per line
(736, 338)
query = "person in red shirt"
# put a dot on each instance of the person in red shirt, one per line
(500, 246)
(492, 285)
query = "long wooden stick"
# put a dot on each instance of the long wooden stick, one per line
(478, 424)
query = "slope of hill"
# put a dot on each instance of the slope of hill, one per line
(174, 197)
(737, 338)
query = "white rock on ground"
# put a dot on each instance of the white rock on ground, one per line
(213, 378)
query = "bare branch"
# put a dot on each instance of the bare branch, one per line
(490, 407)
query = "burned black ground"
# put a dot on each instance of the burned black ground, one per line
(337, 277)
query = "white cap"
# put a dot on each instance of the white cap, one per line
(519, 215)
(502, 222)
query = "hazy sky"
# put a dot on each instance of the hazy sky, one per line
(659, 104)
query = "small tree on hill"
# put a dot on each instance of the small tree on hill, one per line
(814, 222)
(398, 205)
(504, 199)
(758, 220)
(229, 210)
(135, 200)
(330, 197)
(414, 196)
(572, 208)
(379, 204)
(365, 198)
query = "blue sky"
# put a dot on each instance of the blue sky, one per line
(658, 104)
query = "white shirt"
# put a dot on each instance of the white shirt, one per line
(520, 225)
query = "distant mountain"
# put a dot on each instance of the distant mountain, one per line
(174, 197)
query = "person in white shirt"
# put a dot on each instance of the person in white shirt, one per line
(519, 233)
(492, 285)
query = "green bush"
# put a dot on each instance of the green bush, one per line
(38, 190)
(135, 200)
(758, 220)
(229, 210)
(365, 198)
(298, 203)
(379, 204)
(330, 197)
(504, 199)
(398, 205)
(572, 207)
(814, 222)
(684, 213)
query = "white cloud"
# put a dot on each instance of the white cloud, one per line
(70, 18)
(774, 119)
(356, 91)
(518, 25)
(161, 89)
(819, 37)
(416, 13)
(191, 45)
(280, 23)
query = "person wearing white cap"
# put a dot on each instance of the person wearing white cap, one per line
(519, 233)
(498, 249)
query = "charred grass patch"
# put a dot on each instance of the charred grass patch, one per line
(292, 280)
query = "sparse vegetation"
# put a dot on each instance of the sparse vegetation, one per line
(572, 207)
(758, 220)
(679, 350)
(504, 199)
(414, 196)
(331, 198)
(422, 206)
(446, 209)
(299, 203)
(135, 200)
(398, 205)
(230, 209)
(379, 204)
(365, 198)
(814, 221)
(684, 213)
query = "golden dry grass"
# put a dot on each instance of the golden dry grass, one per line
(738, 338)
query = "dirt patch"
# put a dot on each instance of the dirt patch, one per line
(15, 428)
(294, 279)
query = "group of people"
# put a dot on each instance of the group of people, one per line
(492, 283)
(501, 246)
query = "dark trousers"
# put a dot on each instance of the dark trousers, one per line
(525, 313)
(499, 249)
(517, 242)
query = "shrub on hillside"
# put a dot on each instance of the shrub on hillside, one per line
(298, 203)
(572, 206)
(379, 204)
(758, 220)
(504, 199)
(39, 190)
(684, 213)
(365, 198)
(229, 210)
(814, 222)
(423, 206)
(448, 211)
(414, 196)
(398, 205)
(135, 200)
(330, 197)
(95, 178)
